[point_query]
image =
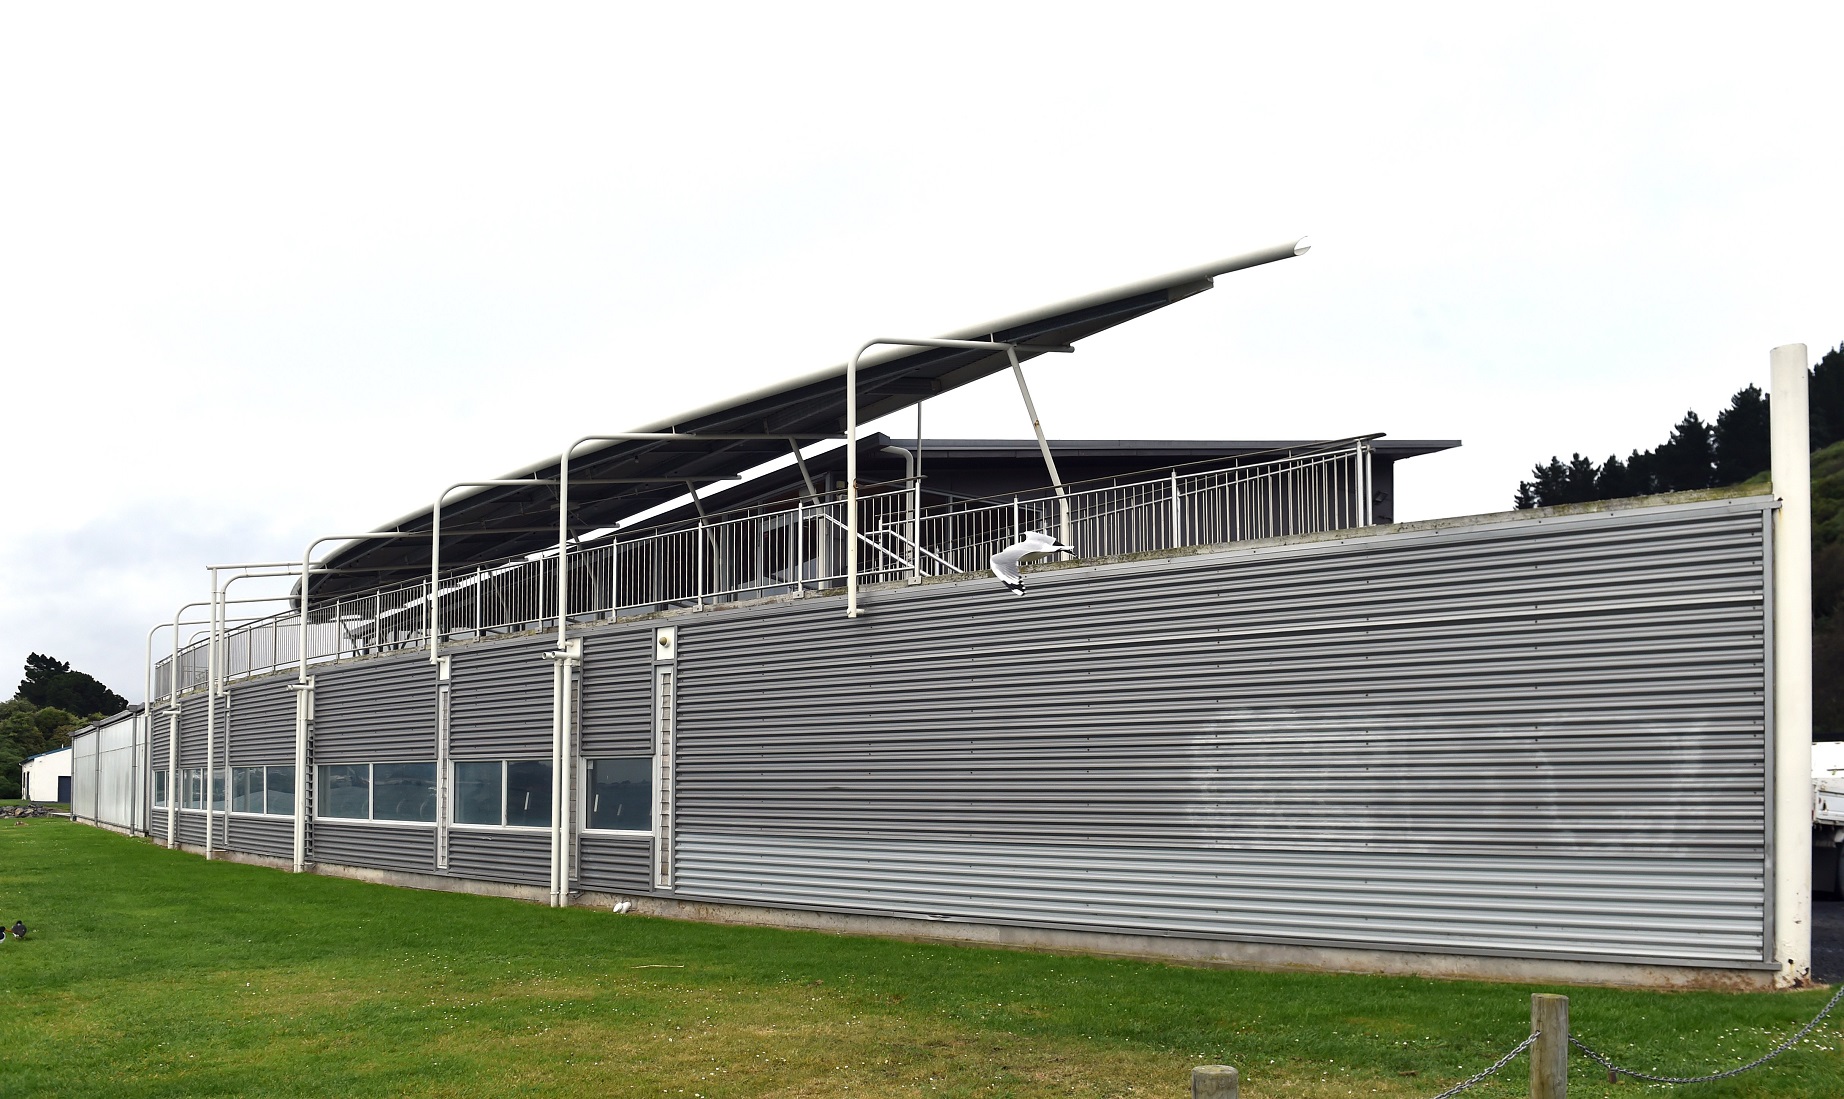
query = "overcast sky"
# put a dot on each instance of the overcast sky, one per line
(268, 273)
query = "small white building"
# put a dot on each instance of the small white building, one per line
(46, 777)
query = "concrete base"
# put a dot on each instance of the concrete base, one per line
(1157, 948)
(1207, 952)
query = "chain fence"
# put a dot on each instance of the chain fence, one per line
(1726, 1073)
(1483, 1074)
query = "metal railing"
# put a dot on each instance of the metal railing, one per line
(789, 549)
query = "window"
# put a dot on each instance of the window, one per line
(479, 791)
(160, 789)
(192, 788)
(372, 791)
(528, 793)
(503, 792)
(620, 794)
(281, 799)
(403, 791)
(246, 789)
(269, 790)
(217, 791)
(345, 791)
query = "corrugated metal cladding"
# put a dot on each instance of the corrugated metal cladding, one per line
(261, 716)
(520, 857)
(375, 710)
(192, 730)
(617, 692)
(156, 823)
(192, 829)
(499, 702)
(273, 836)
(380, 846)
(614, 865)
(1541, 737)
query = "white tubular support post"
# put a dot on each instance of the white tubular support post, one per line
(1792, 686)
(303, 686)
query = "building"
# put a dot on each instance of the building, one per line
(108, 772)
(1254, 721)
(46, 776)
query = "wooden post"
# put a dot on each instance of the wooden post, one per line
(1214, 1082)
(1549, 1055)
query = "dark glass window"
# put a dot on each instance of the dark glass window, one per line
(345, 791)
(478, 793)
(621, 793)
(528, 792)
(403, 791)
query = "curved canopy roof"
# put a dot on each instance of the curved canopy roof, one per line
(610, 481)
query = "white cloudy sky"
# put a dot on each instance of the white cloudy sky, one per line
(269, 272)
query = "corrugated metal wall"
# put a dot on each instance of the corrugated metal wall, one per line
(520, 857)
(375, 710)
(272, 836)
(1543, 737)
(617, 692)
(500, 702)
(381, 846)
(192, 730)
(614, 865)
(261, 716)
(192, 828)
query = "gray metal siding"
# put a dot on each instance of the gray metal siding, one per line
(156, 823)
(520, 857)
(1532, 737)
(273, 836)
(191, 731)
(617, 693)
(500, 702)
(375, 710)
(261, 716)
(192, 829)
(377, 846)
(615, 865)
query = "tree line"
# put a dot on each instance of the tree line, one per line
(52, 702)
(1696, 454)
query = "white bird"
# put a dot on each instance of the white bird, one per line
(1036, 546)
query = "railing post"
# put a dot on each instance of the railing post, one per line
(1549, 1055)
(1214, 1082)
(1177, 513)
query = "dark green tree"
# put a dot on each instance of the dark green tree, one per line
(51, 682)
(1742, 438)
(1687, 460)
(1825, 394)
(1613, 482)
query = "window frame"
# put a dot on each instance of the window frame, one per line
(504, 793)
(370, 820)
(583, 795)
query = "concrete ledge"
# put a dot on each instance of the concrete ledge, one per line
(1207, 952)
(1215, 953)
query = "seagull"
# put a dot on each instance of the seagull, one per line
(1036, 546)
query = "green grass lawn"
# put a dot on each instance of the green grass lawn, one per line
(155, 973)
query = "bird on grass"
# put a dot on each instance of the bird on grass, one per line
(1036, 546)
(19, 929)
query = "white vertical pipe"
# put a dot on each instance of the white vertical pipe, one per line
(1792, 616)
(211, 709)
(851, 483)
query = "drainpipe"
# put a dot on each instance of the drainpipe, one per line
(1792, 664)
